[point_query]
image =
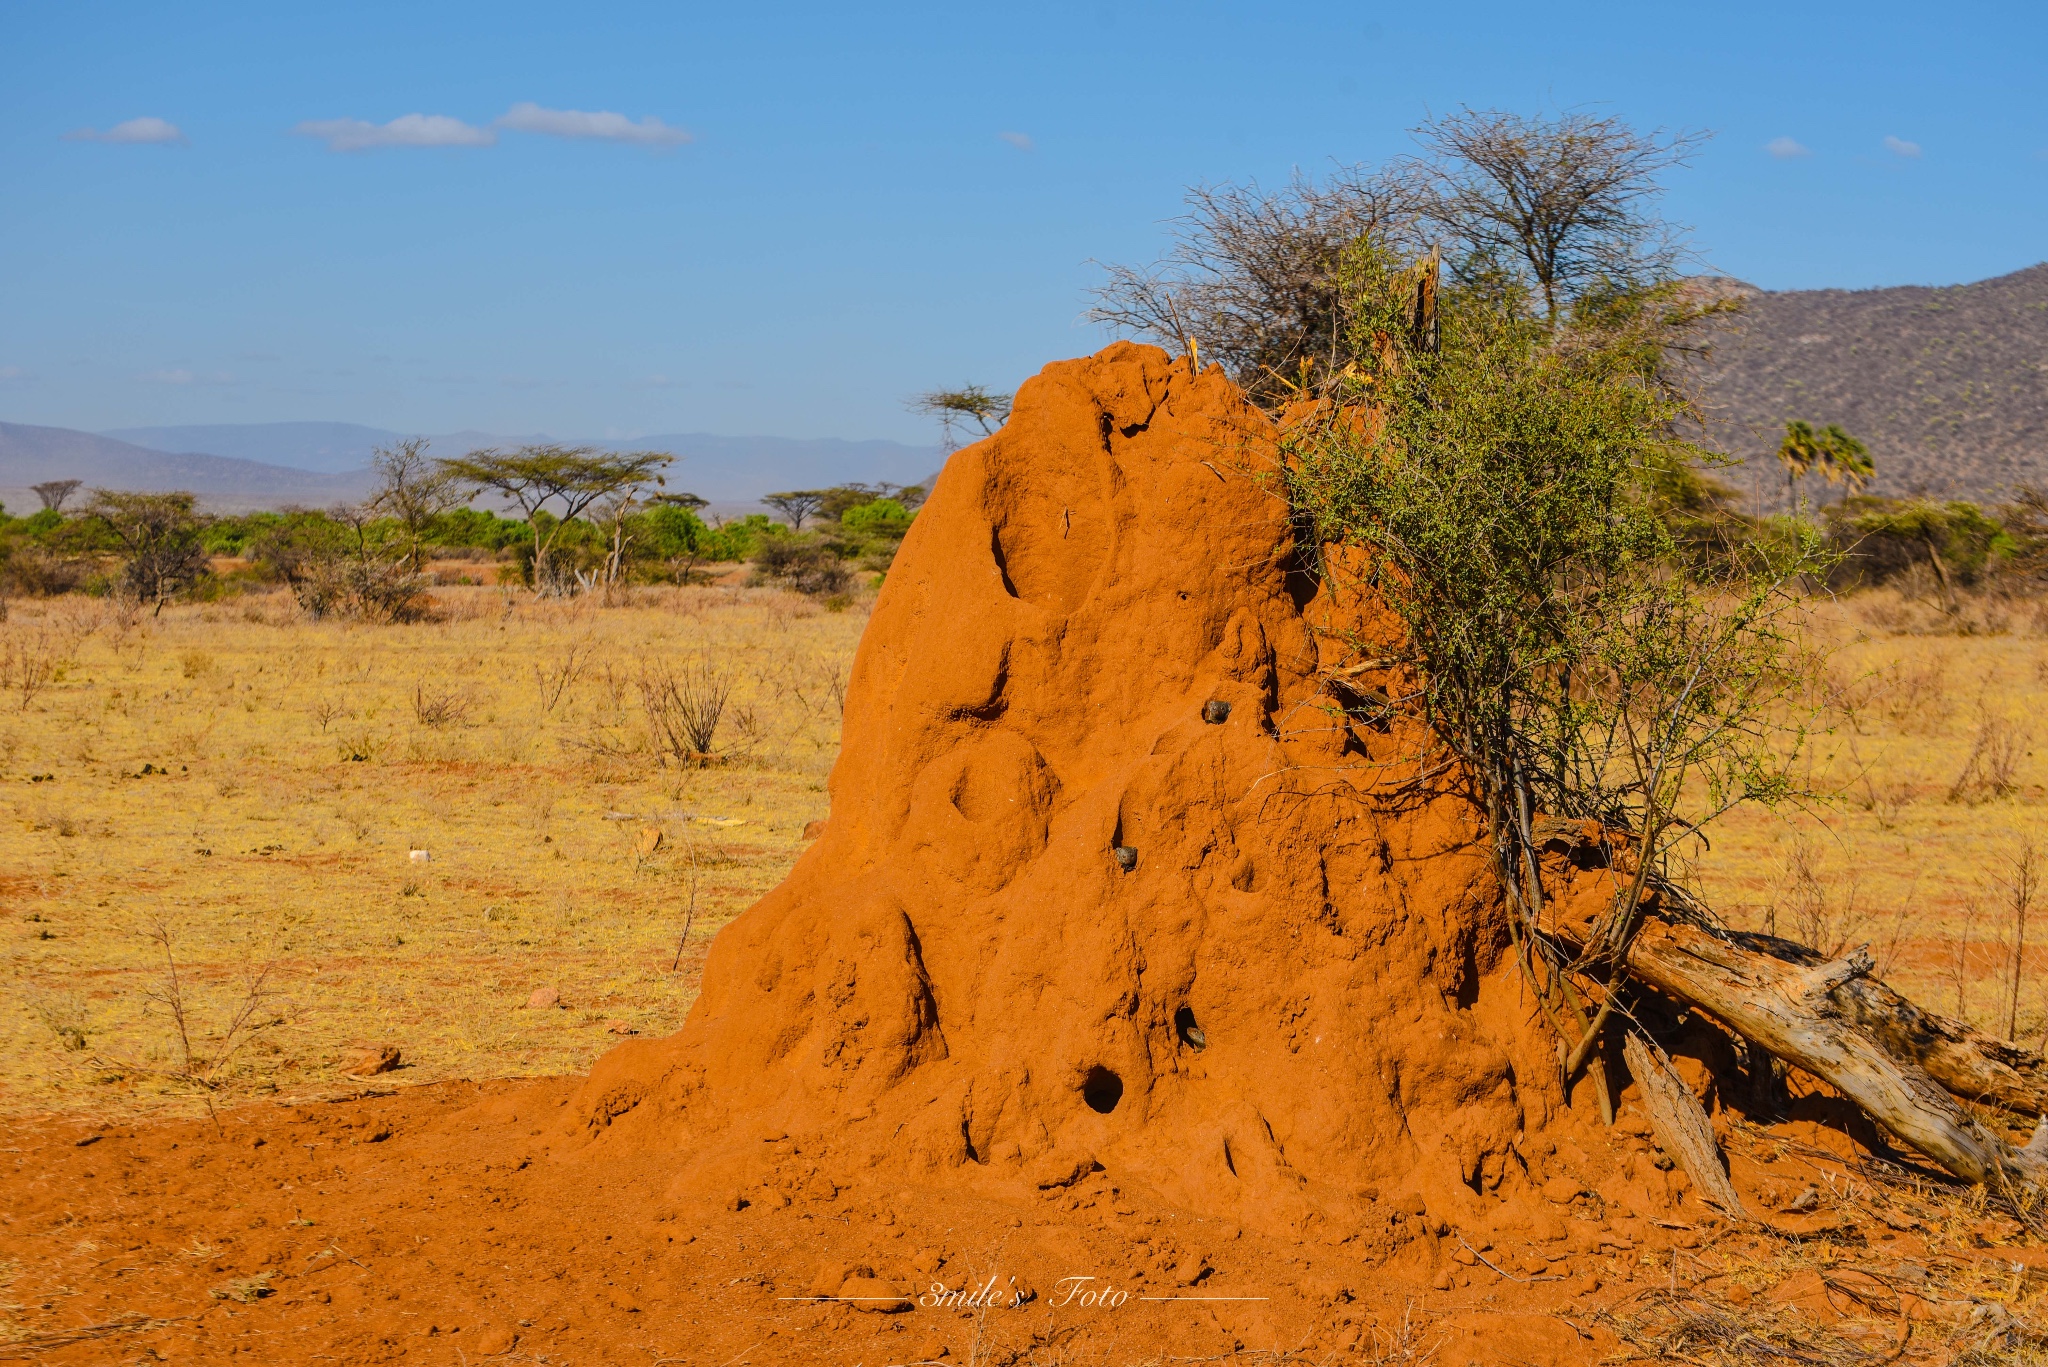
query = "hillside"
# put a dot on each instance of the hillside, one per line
(726, 470)
(1947, 385)
(29, 455)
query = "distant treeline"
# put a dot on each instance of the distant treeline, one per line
(353, 561)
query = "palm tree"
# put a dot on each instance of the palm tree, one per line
(1799, 452)
(1844, 460)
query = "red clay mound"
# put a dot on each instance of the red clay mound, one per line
(1066, 913)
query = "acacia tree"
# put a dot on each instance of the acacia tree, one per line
(796, 505)
(412, 490)
(53, 492)
(160, 536)
(973, 403)
(570, 478)
(1540, 214)
(1560, 206)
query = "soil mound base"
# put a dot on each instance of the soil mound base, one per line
(1112, 880)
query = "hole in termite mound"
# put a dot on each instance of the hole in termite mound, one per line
(1102, 1089)
(1190, 1033)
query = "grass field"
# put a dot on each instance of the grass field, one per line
(256, 785)
(1935, 846)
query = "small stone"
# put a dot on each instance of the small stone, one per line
(650, 840)
(491, 1342)
(1587, 1284)
(543, 998)
(617, 1027)
(1215, 711)
(421, 857)
(1535, 1265)
(874, 1296)
(1562, 1190)
(1442, 1280)
(1126, 857)
(1465, 1256)
(381, 1058)
(814, 829)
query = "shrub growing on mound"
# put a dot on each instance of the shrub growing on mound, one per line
(1499, 482)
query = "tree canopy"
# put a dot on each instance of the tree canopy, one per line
(561, 481)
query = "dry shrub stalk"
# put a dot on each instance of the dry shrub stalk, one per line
(684, 706)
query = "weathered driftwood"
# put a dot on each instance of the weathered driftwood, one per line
(1968, 1062)
(1798, 1013)
(1682, 1128)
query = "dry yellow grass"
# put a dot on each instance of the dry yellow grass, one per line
(1930, 746)
(258, 783)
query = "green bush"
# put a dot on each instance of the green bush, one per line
(879, 517)
(1881, 540)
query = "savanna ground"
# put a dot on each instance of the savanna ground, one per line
(257, 786)
(214, 813)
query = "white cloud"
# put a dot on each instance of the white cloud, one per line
(1899, 147)
(1787, 147)
(143, 130)
(1021, 141)
(528, 117)
(408, 130)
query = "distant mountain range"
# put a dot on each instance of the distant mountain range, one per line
(31, 455)
(1948, 386)
(267, 465)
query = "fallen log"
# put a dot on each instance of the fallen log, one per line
(1797, 1013)
(1968, 1062)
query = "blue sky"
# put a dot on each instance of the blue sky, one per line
(870, 200)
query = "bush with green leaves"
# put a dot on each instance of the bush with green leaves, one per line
(1958, 543)
(1499, 483)
(879, 517)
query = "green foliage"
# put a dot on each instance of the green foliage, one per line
(1506, 486)
(1958, 542)
(672, 533)
(740, 540)
(41, 524)
(881, 517)
(467, 527)
(553, 485)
